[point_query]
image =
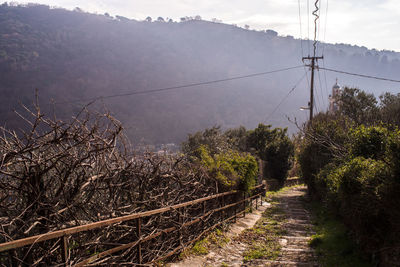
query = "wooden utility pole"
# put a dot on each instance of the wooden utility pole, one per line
(313, 66)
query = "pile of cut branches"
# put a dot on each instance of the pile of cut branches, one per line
(60, 174)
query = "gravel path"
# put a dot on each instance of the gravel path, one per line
(292, 231)
(295, 250)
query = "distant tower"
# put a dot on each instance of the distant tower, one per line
(333, 98)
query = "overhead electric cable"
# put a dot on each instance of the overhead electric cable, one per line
(360, 75)
(326, 22)
(308, 25)
(286, 96)
(180, 86)
(316, 15)
(301, 34)
(322, 92)
(319, 26)
(301, 40)
(326, 81)
(317, 97)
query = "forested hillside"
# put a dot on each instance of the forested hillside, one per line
(72, 55)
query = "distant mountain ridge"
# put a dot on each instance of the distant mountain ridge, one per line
(72, 55)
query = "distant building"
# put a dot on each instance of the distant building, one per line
(334, 98)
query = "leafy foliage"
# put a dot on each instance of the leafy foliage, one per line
(233, 170)
(273, 146)
(358, 105)
(210, 139)
(332, 243)
(354, 168)
(369, 142)
(390, 108)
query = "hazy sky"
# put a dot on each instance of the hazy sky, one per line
(370, 23)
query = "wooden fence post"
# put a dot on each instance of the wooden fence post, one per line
(139, 235)
(234, 211)
(244, 204)
(223, 205)
(64, 249)
(257, 203)
(251, 204)
(11, 255)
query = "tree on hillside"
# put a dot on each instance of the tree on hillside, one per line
(237, 137)
(358, 105)
(274, 147)
(212, 139)
(390, 108)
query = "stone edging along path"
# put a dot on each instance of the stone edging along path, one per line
(277, 234)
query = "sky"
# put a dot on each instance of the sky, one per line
(370, 23)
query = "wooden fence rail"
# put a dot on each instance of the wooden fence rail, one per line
(62, 235)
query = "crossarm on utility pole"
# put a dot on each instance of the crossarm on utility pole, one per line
(312, 66)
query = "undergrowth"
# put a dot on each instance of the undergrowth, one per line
(215, 239)
(332, 242)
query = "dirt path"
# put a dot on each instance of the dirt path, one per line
(295, 250)
(229, 250)
(279, 238)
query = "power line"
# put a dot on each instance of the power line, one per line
(180, 86)
(308, 25)
(316, 15)
(301, 40)
(361, 75)
(326, 22)
(326, 82)
(322, 92)
(313, 59)
(301, 35)
(324, 45)
(319, 25)
(286, 96)
(316, 98)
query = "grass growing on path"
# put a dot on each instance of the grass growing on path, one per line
(263, 238)
(216, 239)
(332, 242)
(272, 195)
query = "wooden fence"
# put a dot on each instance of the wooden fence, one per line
(226, 210)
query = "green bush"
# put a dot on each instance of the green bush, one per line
(357, 185)
(322, 143)
(355, 170)
(369, 142)
(274, 147)
(212, 139)
(233, 170)
(361, 183)
(216, 149)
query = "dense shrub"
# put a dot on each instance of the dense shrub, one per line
(274, 147)
(369, 142)
(356, 172)
(359, 106)
(233, 170)
(323, 142)
(212, 139)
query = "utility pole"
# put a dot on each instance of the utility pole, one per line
(313, 66)
(314, 61)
